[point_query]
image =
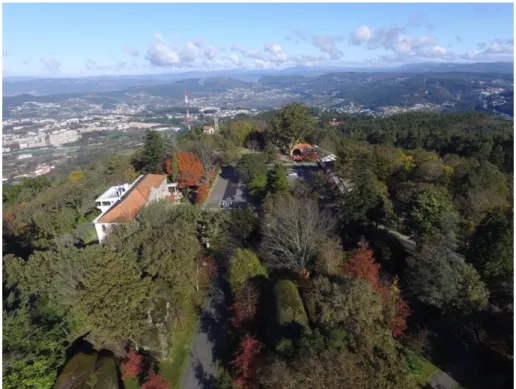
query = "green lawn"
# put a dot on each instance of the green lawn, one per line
(131, 383)
(174, 366)
(427, 371)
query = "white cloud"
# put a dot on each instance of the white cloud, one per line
(272, 53)
(161, 55)
(497, 46)
(275, 53)
(362, 34)
(236, 60)
(394, 39)
(298, 36)
(50, 65)
(191, 54)
(437, 52)
(238, 48)
(262, 64)
(92, 66)
(159, 37)
(495, 50)
(327, 44)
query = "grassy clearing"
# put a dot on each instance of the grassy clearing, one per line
(428, 370)
(175, 365)
(131, 383)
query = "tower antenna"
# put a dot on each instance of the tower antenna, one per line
(187, 103)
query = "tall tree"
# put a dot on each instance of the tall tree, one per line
(245, 305)
(243, 265)
(491, 251)
(277, 179)
(437, 277)
(152, 152)
(433, 214)
(190, 169)
(363, 266)
(112, 301)
(206, 152)
(33, 348)
(292, 234)
(292, 124)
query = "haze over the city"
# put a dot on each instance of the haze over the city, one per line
(63, 40)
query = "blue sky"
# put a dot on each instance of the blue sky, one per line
(130, 38)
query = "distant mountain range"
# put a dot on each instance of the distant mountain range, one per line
(52, 86)
(453, 91)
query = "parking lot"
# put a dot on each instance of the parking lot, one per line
(302, 173)
(228, 192)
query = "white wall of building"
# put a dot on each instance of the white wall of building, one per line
(159, 193)
(102, 230)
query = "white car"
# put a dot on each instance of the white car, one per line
(292, 174)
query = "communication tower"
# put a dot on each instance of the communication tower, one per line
(216, 123)
(187, 104)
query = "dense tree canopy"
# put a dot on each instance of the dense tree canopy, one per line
(292, 124)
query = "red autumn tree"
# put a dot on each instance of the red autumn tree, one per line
(245, 362)
(398, 323)
(133, 366)
(202, 193)
(245, 306)
(362, 265)
(155, 381)
(190, 169)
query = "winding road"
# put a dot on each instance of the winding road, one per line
(207, 346)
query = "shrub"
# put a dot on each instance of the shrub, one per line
(289, 305)
(413, 362)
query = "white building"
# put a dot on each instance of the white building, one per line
(123, 203)
(111, 196)
(208, 129)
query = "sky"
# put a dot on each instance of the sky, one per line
(66, 39)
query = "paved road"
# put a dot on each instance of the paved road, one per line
(206, 348)
(441, 380)
(228, 187)
(410, 245)
(217, 192)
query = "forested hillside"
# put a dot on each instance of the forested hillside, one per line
(317, 293)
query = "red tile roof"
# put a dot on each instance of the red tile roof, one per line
(133, 201)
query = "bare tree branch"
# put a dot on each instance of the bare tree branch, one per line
(292, 235)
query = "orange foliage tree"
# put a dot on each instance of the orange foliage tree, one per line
(189, 166)
(202, 193)
(363, 266)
